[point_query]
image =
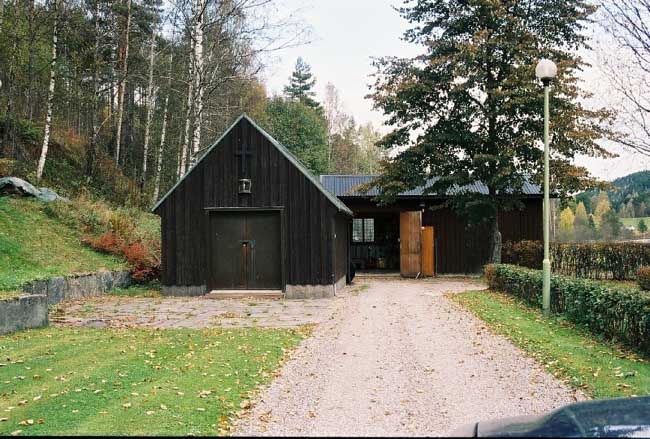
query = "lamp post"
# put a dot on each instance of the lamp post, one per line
(546, 71)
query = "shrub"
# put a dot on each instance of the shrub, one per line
(524, 253)
(618, 313)
(643, 278)
(145, 266)
(144, 260)
(489, 271)
(108, 242)
(122, 224)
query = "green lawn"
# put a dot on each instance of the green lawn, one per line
(64, 381)
(33, 246)
(600, 369)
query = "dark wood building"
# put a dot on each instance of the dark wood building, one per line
(414, 237)
(250, 216)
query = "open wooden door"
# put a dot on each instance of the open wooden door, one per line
(428, 255)
(410, 236)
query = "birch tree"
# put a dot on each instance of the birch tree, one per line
(122, 83)
(163, 133)
(56, 5)
(151, 106)
(628, 68)
(198, 75)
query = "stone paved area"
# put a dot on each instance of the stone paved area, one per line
(116, 311)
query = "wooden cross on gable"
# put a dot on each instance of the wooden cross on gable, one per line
(243, 152)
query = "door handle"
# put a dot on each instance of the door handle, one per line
(246, 242)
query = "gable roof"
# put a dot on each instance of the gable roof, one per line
(283, 150)
(347, 186)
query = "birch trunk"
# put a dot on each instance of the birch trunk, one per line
(50, 96)
(151, 105)
(122, 85)
(163, 131)
(198, 77)
(92, 149)
(188, 119)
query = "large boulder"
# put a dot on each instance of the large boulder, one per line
(18, 186)
(49, 195)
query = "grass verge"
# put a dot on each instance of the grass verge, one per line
(64, 381)
(150, 290)
(35, 246)
(598, 368)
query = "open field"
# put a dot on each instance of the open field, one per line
(70, 381)
(634, 222)
(34, 245)
(600, 369)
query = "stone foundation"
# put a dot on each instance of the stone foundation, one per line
(313, 291)
(184, 291)
(75, 287)
(29, 311)
(291, 292)
(338, 286)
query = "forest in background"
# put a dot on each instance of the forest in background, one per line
(620, 212)
(120, 98)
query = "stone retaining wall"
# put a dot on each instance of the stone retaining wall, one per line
(23, 312)
(30, 309)
(74, 287)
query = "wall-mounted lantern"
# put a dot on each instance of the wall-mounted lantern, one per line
(245, 186)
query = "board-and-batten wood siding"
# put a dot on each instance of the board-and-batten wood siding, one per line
(465, 249)
(461, 248)
(307, 215)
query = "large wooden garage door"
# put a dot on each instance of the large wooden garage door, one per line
(245, 251)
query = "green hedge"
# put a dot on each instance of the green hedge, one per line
(617, 313)
(600, 260)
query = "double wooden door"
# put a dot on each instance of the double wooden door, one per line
(417, 246)
(245, 252)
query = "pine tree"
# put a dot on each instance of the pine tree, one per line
(611, 225)
(592, 227)
(642, 227)
(301, 85)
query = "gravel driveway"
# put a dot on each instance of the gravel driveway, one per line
(398, 358)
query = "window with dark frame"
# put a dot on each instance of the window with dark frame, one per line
(363, 230)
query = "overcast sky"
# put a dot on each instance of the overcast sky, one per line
(346, 34)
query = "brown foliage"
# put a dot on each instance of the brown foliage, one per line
(643, 277)
(598, 260)
(523, 253)
(142, 258)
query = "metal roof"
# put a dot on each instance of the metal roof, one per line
(333, 199)
(347, 186)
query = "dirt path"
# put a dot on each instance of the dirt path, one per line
(401, 359)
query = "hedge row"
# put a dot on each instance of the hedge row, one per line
(618, 313)
(606, 260)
